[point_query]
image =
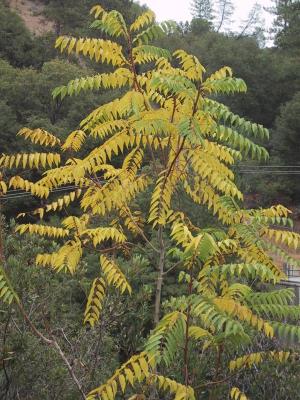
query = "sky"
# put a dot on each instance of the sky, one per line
(179, 10)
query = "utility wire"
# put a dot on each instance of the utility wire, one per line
(28, 194)
(12, 195)
(266, 172)
(265, 166)
(19, 193)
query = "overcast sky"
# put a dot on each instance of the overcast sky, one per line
(179, 10)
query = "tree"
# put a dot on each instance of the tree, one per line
(225, 11)
(286, 133)
(17, 45)
(286, 143)
(73, 15)
(286, 24)
(202, 9)
(165, 133)
(252, 25)
(15, 40)
(27, 97)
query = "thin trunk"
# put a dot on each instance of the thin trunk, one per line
(70, 369)
(186, 349)
(159, 282)
(218, 370)
(1, 240)
(8, 382)
(186, 345)
(222, 17)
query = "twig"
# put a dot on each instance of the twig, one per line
(69, 367)
(212, 383)
(173, 267)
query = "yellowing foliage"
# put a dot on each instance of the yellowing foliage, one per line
(95, 302)
(39, 136)
(114, 275)
(33, 160)
(164, 138)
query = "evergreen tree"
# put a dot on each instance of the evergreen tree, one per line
(202, 9)
(286, 145)
(287, 23)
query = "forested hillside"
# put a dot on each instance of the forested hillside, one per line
(170, 245)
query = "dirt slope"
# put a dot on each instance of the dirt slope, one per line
(31, 13)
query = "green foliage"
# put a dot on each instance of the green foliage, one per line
(7, 293)
(285, 138)
(286, 24)
(202, 9)
(17, 45)
(31, 367)
(27, 94)
(167, 336)
(70, 16)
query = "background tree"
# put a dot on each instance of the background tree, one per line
(17, 44)
(225, 10)
(253, 24)
(286, 142)
(202, 9)
(67, 17)
(286, 25)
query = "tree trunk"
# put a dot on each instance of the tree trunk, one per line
(159, 282)
(2, 259)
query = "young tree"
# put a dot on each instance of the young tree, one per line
(166, 132)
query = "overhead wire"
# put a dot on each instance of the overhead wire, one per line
(266, 172)
(251, 169)
(250, 164)
(25, 194)
(20, 191)
(268, 169)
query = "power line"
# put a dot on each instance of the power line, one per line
(265, 166)
(265, 172)
(26, 194)
(18, 193)
(21, 191)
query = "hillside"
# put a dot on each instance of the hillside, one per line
(31, 13)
